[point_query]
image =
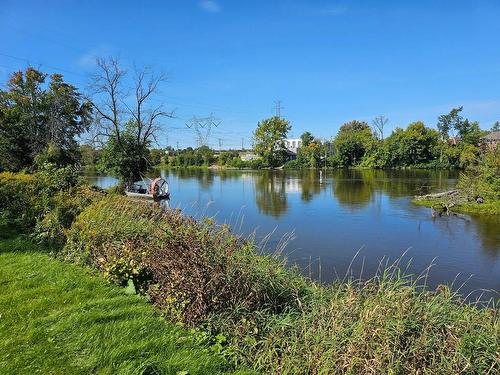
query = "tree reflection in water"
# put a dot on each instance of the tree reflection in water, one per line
(270, 193)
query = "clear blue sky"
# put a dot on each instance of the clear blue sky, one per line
(327, 61)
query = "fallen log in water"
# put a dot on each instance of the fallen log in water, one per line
(450, 193)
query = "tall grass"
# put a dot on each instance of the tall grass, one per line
(257, 312)
(277, 321)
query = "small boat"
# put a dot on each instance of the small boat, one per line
(157, 189)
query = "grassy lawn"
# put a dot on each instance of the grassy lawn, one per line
(58, 318)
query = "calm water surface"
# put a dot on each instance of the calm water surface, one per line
(344, 212)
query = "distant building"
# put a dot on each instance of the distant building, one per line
(248, 155)
(491, 140)
(293, 145)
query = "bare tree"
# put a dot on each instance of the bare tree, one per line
(125, 115)
(379, 122)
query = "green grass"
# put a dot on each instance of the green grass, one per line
(59, 318)
(491, 207)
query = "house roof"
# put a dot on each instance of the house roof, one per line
(492, 136)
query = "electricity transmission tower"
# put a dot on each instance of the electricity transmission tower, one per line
(278, 108)
(203, 127)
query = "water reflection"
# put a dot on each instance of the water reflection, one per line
(271, 193)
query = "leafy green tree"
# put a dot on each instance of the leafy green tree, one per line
(35, 116)
(306, 138)
(417, 144)
(126, 157)
(448, 122)
(469, 132)
(310, 156)
(352, 142)
(496, 126)
(90, 155)
(156, 156)
(269, 140)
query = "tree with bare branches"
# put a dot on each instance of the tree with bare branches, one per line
(126, 122)
(379, 123)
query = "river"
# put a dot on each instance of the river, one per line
(346, 221)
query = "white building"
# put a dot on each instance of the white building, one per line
(293, 144)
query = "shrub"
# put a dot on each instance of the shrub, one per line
(189, 269)
(45, 203)
(64, 207)
(293, 164)
(482, 179)
(18, 198)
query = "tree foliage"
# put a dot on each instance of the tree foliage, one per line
(414, 145)
(306, 138)
(40, 120)
(352, 142)
(269, 140)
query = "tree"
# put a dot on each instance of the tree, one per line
(269, 140)
(35, 117)
(306, 138)
(310, 156)
(414, 145)
(448, 122)
(469, 132)
(127, 125)
(496, 126)
(157, 156)
(379, 123)
(352, 141)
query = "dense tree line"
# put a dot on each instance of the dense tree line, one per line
(42, 119)
(455, 144)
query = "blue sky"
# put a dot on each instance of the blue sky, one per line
(327, 61)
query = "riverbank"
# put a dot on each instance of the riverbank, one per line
(490, 208)
(249, 306)
(59, 318)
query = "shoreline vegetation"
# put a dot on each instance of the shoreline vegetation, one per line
(242, 304)
(477, 192)
(443, 206)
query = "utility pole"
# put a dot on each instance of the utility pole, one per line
(242, 144)
(177, 145)
(220, 143)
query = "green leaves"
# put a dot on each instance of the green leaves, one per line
(35, 116)
(269, 140)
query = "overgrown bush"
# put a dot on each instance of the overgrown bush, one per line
(45, 203)
(19, 198)
(482, 179)
(189, 269)
(64, 207)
